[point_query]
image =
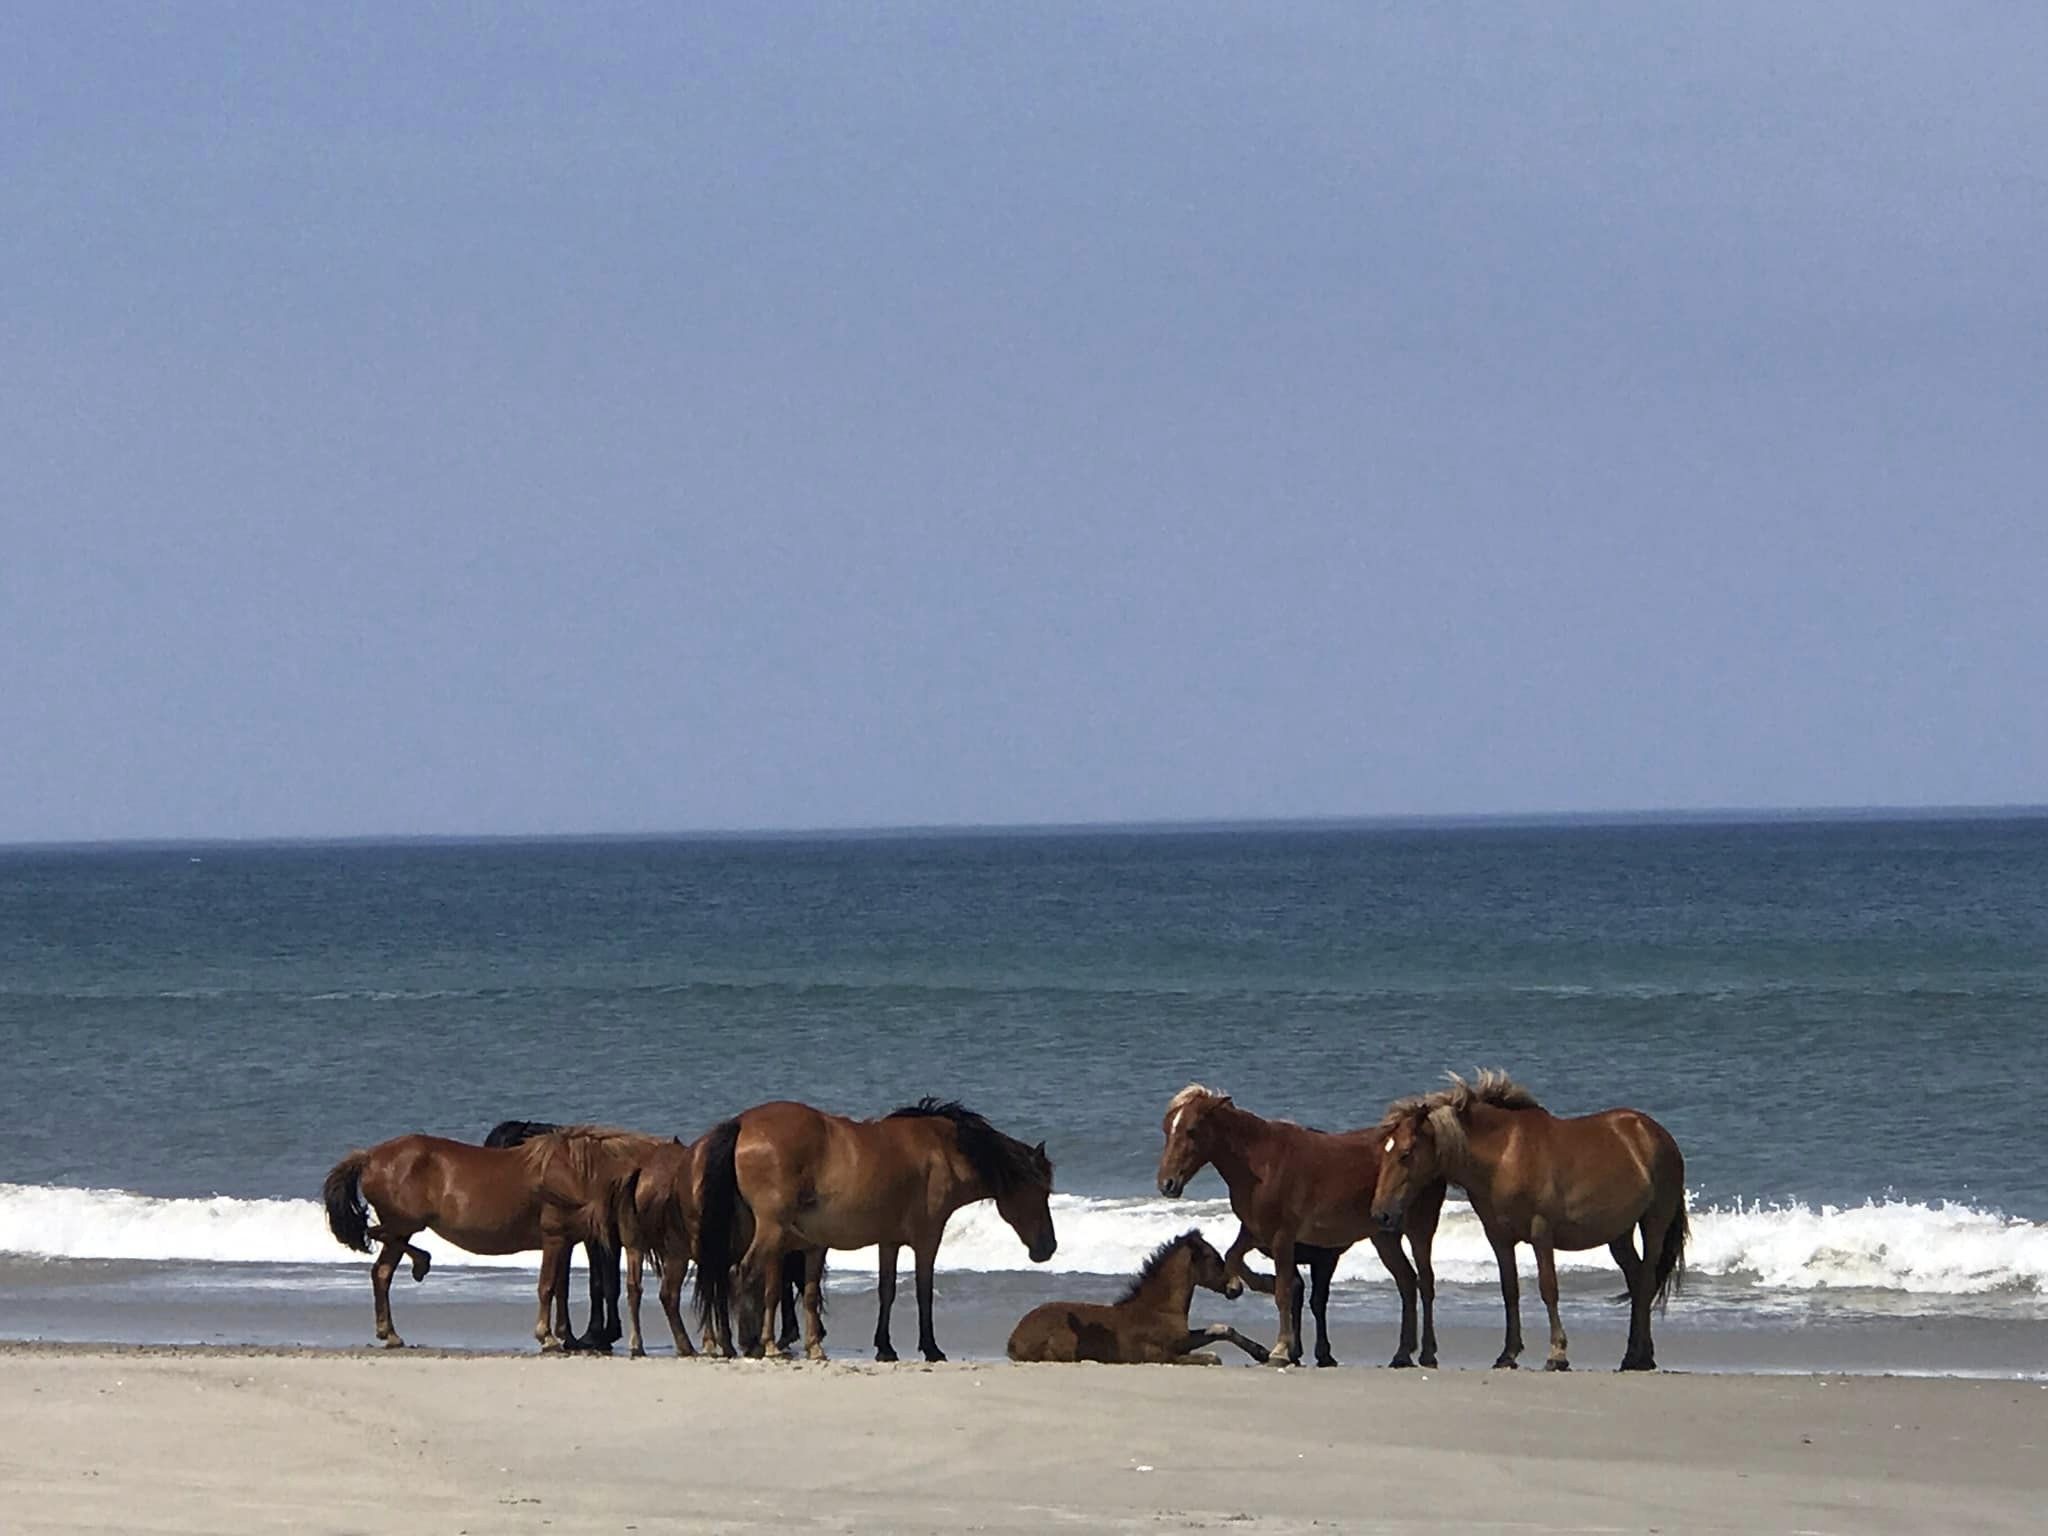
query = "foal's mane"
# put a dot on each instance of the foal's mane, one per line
(1001, 1162)
(582, 1146)
(1446, 1108)
(1158, 1261)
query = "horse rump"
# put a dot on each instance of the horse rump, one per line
(348, 1214)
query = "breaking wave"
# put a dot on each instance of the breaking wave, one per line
(1926, 1249)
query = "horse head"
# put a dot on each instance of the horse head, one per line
(1187, 1148)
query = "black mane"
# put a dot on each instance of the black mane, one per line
(1002, 1162)
(516, 1133)
(1160, 1255)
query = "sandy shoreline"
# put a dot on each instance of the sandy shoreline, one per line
(171, 1440)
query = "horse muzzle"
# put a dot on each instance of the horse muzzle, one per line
(1387, 1221)
(1044, 1248)
(1172, 1186)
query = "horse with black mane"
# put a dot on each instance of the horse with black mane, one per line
(784, 1178)
(1147, 1325)
(1549, 1182)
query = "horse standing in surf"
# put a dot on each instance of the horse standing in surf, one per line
(786, 1178)
(1552, 1183)
(1293, 1188)
(548, 1193)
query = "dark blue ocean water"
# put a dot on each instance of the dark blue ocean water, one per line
(1826, 1011)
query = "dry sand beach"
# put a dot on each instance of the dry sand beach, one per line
(208, 1441)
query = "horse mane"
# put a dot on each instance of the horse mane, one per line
(1446, 1108)
(1158, 1260)
(1001, 1162)
(1190, 1094)
(514, 1133)
(584, 1147)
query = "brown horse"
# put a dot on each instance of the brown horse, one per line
(550, 1193)
(786, 1178)
(1148, 1325)
(1551, 1183)
(602, 1259)
(1292, 1187)
(658, 1224)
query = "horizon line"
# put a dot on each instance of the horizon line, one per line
(907, 831)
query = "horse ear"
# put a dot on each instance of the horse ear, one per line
(1223, 1098)
(1039, 1151)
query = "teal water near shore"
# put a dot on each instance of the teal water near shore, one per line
(1841, 1020)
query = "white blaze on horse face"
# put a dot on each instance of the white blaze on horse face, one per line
(1389, 1146)
(1174, 1129)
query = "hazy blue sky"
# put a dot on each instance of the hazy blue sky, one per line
(593, 418)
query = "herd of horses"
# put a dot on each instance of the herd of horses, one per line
(756, 1203)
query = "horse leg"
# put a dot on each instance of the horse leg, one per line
(1319, 1272)
(927, 1258)
(1388, 1246)
(1425, 1285)
(814, 1325)
(1286, 1301)
(604, 1330)
(1546, 1282)
(635, 1350)
(422, 1261)
(1643, 1292)
(793, 1269)
(672, 1307)
(380, 1290)
(1235, 1276)
(1624, 1252)
(885, 1298)
(1202, 1338)
(1511, 1299)
(554, 1257)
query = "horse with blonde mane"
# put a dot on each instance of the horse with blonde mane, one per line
(1294, 1189)
(550, 1192)
(1552, 1183)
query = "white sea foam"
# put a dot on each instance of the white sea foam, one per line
(1954, 1250)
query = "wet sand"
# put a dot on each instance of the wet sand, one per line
(173, 1440)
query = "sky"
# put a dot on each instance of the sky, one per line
(483, 419)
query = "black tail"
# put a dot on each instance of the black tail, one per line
(717, 1216)
(1671, 1262)
(348, 1217)
(514, 1133)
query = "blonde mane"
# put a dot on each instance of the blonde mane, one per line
(1189, 1094)
(1445, 1109)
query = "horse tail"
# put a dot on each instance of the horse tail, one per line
(348, 1215)
(1670, 1274)
(718, 1216)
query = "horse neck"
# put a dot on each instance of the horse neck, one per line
(961, 1182)
(1233, 1143)
(1486, 1128)
(1170, 1288)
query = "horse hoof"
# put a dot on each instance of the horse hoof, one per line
(636, 1353)
(1429, 1362)
(1323, 1362)
(1400, 1363)
(886, 1355)
(815, 1352)
(1557, 1365)
(420, 1266)
(393, 1341)
(934, 1355)
(1506, 1363)
(1277, 1360)
(1639, 1365)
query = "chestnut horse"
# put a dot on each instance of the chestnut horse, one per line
(549, 1193)
(603, 1259)
(1551, 1183)
(786, 1178)
(1292, 1187)
(657, 1227)
(1148, 1325)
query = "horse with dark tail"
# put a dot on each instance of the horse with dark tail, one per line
(603, 1329)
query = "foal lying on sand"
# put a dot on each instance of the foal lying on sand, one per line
(1149, 1326)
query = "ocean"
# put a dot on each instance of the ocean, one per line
(1843, 1021)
